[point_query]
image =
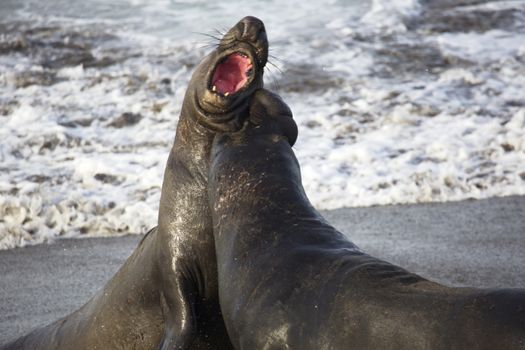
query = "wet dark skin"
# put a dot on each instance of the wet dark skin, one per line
(165, 295)
(289, 280)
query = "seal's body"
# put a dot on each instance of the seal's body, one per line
(289, 280)
(165, 295)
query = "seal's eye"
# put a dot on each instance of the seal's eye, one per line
(232, 74)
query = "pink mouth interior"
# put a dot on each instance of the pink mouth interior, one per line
(231, 75)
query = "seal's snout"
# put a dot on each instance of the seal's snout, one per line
(232, 73)
(251, 29)
(239, 62)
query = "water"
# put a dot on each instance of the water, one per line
(396, 101)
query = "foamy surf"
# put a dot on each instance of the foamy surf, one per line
(393, 106)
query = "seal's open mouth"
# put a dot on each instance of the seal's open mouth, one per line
(232, 74)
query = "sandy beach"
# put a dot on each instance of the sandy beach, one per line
(398, 103)
(470, 243)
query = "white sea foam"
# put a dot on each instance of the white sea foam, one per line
(391, 16)
(390, 110)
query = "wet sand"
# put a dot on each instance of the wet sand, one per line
(471, 243)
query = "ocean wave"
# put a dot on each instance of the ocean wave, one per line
(392, 106)
(391, 16)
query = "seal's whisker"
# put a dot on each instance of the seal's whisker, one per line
(206, 42)
(276, 67)
(208, 46)
(227, 45)
(277, 58)
(228, 41)
(221, 33)
(208, 35)
(273, 77)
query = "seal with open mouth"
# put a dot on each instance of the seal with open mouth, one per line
(289, 280)
(165, 295)
(217, 99)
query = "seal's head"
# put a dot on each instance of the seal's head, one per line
(270, 115)
(269, 122)
(224, 81)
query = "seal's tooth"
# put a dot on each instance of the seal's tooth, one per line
(226, 93)
(214, 88)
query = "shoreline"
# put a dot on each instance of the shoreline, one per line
(478, 243)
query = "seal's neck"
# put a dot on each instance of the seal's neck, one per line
(186, 175)
(191, 136)
(189, 155)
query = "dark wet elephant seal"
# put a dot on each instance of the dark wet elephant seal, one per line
(289, 280)
(165, 295)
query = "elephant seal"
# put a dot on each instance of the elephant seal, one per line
(165, 296)
(289, 280)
